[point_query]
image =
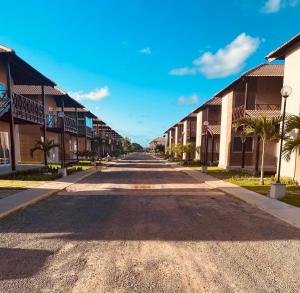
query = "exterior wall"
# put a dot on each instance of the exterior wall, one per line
(28, 135)
(176, 138)
(4, 127)
(292, 78)
(81, 144)
(199, 134)
(268, 90)
(226, 124)
(184, 139)
(54, 153)
(2, 73)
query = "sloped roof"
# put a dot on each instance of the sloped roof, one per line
(22, 72)
(280, 52)
(262, 70)
(37, 90)
(267, 70)
(214, 129)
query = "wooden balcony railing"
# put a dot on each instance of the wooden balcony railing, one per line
(241, 111)
(53, 121)
(27, 109)
(83, 130)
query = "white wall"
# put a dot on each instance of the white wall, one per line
(226, 128)
(184, 140)
(292, 78)
(198, 134)
(176, 138)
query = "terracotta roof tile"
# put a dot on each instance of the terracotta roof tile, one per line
(37, 90)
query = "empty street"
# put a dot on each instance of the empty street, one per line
(142, 226)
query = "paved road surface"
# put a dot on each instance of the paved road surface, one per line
(141, 226)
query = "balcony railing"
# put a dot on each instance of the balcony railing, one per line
(53, 121)
(83, 130)
(242, 111)
(27, 109)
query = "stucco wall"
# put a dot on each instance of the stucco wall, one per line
(292, 78)
(199, 134)
(225, 138)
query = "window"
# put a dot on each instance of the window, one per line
(89, 122)
(4, 148)
(237, 145)
(2, 90)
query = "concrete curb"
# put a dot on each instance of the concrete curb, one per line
(275, 208)
(34, 196)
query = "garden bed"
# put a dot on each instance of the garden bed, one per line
(252, 183)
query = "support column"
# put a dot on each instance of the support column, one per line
(44, 122)
(77, 139)
(63, 132)
(11, 116)
(184, 138)
(199, 135)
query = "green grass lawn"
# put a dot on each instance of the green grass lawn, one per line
(252, 183)
(19, 184)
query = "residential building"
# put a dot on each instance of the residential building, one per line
(290, 53)
(21, 118)
(253, 94)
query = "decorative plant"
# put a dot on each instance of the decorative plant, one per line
(189, 149)
(267, 129)
(45, 147)
(179, 150)
(292, 143)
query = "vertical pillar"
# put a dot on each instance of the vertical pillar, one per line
(85, 133)
(63, 132)
(184, 138)
(212, 148)
(198, 135)
(11, 117)
(44, 121)
(77, 140)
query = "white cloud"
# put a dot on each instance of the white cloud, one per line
(273, 6)
(193, 99)
(226, 61)
(146, 51)
(94, 95)
(183, 71)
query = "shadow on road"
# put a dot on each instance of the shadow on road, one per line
(18, 263)
(149, 217)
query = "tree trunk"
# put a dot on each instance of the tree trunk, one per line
(261, 182)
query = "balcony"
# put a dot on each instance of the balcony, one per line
(27, 109)
(54, 122)
(270, 110)
(83, 130)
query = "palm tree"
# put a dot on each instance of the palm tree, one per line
(44, 147)
(291, 143)
(267, 129)
(189, 149)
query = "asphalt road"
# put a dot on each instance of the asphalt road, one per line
(142, 226)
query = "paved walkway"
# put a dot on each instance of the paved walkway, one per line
(143, 226)
(276, 208)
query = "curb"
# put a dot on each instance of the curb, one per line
(45, 195)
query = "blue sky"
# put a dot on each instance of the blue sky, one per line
(142, 65)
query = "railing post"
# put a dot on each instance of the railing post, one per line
(11, 116)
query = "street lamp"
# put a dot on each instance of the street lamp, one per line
(205, 124)
(285, 93)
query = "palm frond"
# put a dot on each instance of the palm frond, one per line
(290, 145)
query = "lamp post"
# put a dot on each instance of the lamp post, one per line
(285, 93)
(278, 189)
